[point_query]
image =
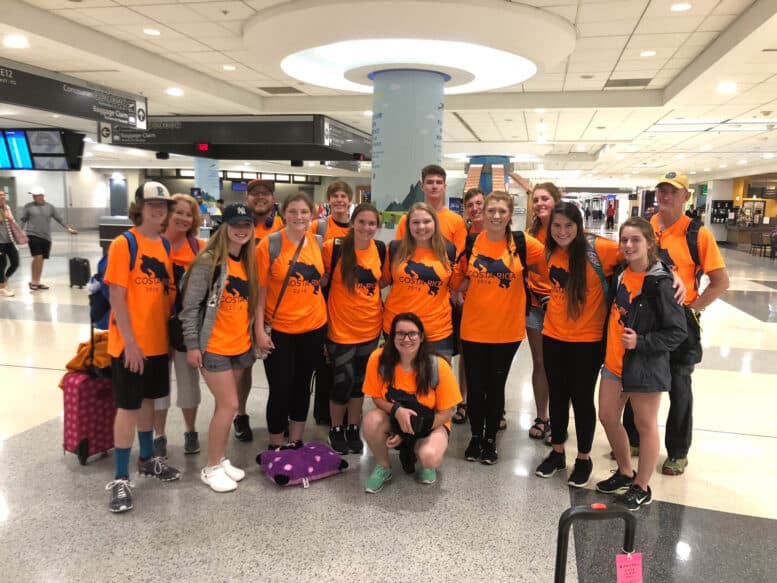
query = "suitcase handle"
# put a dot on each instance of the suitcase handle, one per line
(597, 511)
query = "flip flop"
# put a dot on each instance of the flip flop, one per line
(541, 425)
(460, 416)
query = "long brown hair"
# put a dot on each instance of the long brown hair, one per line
(576, 288)
(554, 192)
(348, 247)
(647, 231)
(389, 358)
(215, 254)
(501, 196)
(407, 245)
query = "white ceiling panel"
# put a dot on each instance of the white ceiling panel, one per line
(662, 9)
(602, 11)
(594, 55)
(113, 15)
(567, 12)
(215, 11)
(596, 43)
(717, 22)
(171, 14)
(224, 43)
(202, 29)
(656, 42)
(678, 25)
(732, 6)
(55, 4)
(652, 64)
(607, 27)
(701, 38)
(591, 67)
(83, 19)
(576, 84)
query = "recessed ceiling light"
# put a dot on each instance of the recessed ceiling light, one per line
(586, 76)
(175, 92)
(680, 7)
(768, 156)
(542, 126)
(723, 166)
(55, 115)
(368, 113)
(540, 110)
(15, 41)
(601, 127)
(743, 161)
(619, 156)
(541, 139)
(647, 54)
(581, 149)
(679, 156)
(707, 169)
(726, 87)
(706, 148)
(693, 171)
(151, 32)
(229, 68)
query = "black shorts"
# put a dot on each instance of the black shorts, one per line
(39, 246)
(130, 388)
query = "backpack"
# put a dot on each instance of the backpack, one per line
(692, 240)
(99, 299)
(321, 227)
(596, 263)
(519, 238)
(276, 242)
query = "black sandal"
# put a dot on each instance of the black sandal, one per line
(541, 425)
(460, 416)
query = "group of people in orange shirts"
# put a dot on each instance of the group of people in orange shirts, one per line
(284, 292)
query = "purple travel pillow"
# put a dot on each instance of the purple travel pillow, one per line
(312, 461)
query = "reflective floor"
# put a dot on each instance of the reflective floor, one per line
(718, 522)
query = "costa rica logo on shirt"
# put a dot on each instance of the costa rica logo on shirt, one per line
(154, 273)
(366, 280)
(558, 277)
(235, 290)
(489, 267)
(420, 273)
(305, 274)
(622, 302)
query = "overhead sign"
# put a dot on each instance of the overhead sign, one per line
(25, 89)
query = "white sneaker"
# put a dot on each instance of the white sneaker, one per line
(235, 474)
(5, 292)
(217, 479)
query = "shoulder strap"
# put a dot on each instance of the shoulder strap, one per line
(434, 371)
(469, 244)
(193, 244)
(450, 251)
(519, 238)
(337, 251)
(167, 246)
(275, 246)
(321, 227)
(132, 242)
(286, 279)
(393, 246)
(596, 263)
(381, 252)
(692, 239)
(320, 241)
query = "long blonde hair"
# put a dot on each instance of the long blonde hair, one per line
(501, 196)
(407, 244)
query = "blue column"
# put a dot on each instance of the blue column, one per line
(207, 177)
(407, 110)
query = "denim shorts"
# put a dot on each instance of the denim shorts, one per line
(535, 318)
(218, 363)
(606, 374)
(444, 347)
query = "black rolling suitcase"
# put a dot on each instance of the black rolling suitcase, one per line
(321, 386)
(80, 271)
(598, 511)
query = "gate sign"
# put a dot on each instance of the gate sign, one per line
(25, 89)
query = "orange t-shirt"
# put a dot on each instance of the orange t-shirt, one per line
(261, 230)
(183, 257)
(150, 293)
(673, 250)
(354, 317)
(420, 285)
(589, 325)
(538, 283)
(452, 227)
(495, 303)
(231, 334)
(302, 307)
(629, 288)
(334, 230)
(445, 396)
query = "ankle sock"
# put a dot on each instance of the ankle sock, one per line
(121, 455)
(146, 439)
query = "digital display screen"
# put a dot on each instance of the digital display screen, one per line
(239, 186)
(45, 142)
(50, 163)
(17, 147)
(5, 159)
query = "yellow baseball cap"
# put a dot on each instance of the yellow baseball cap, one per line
(676, 179)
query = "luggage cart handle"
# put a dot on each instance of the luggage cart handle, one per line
(597, 511)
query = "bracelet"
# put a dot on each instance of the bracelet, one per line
(394, 410)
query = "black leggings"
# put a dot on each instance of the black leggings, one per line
(572, 369)
(349, 365)
(289, 369)
(8, 250)
(486, 367)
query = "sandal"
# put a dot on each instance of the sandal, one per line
(460, 416)
(542, 426)
(502, 423)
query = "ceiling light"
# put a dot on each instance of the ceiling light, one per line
(541, 139)
(619, 156)
(632, 148)
(707, 169)
(15, 41)
(229, 68)
(680, 156)
(151, 32)
(55, 115)
(768, 156)
(680, 7)
(723, 166)
(330, 65)
(542, 126)
(367, 113)
(539, 110)
(706, 148)
(175, 92)
(743, 161)
(581, 149)
(647, 54)
(693, 171)
(726, 87)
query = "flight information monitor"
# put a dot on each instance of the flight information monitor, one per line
(18, 149)
(5, 159)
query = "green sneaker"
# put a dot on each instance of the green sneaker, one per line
(377, 479)
(427, 476)
(674, 466)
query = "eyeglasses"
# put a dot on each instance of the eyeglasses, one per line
(407, 335)
(260, 193)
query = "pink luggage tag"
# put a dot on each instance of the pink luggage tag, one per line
(628, 568)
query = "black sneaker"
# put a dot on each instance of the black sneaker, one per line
(634, 498)
(191, 442)
(297, 444)
(121, 495)
(337, 440)
(554, 462)
(489, 455)
(160, 446)
(156, 467)
(474, 449)
(581, 474)
(615, 483)
(243, 428)
(355, 443)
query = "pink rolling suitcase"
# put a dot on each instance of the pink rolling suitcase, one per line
(89, 415)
